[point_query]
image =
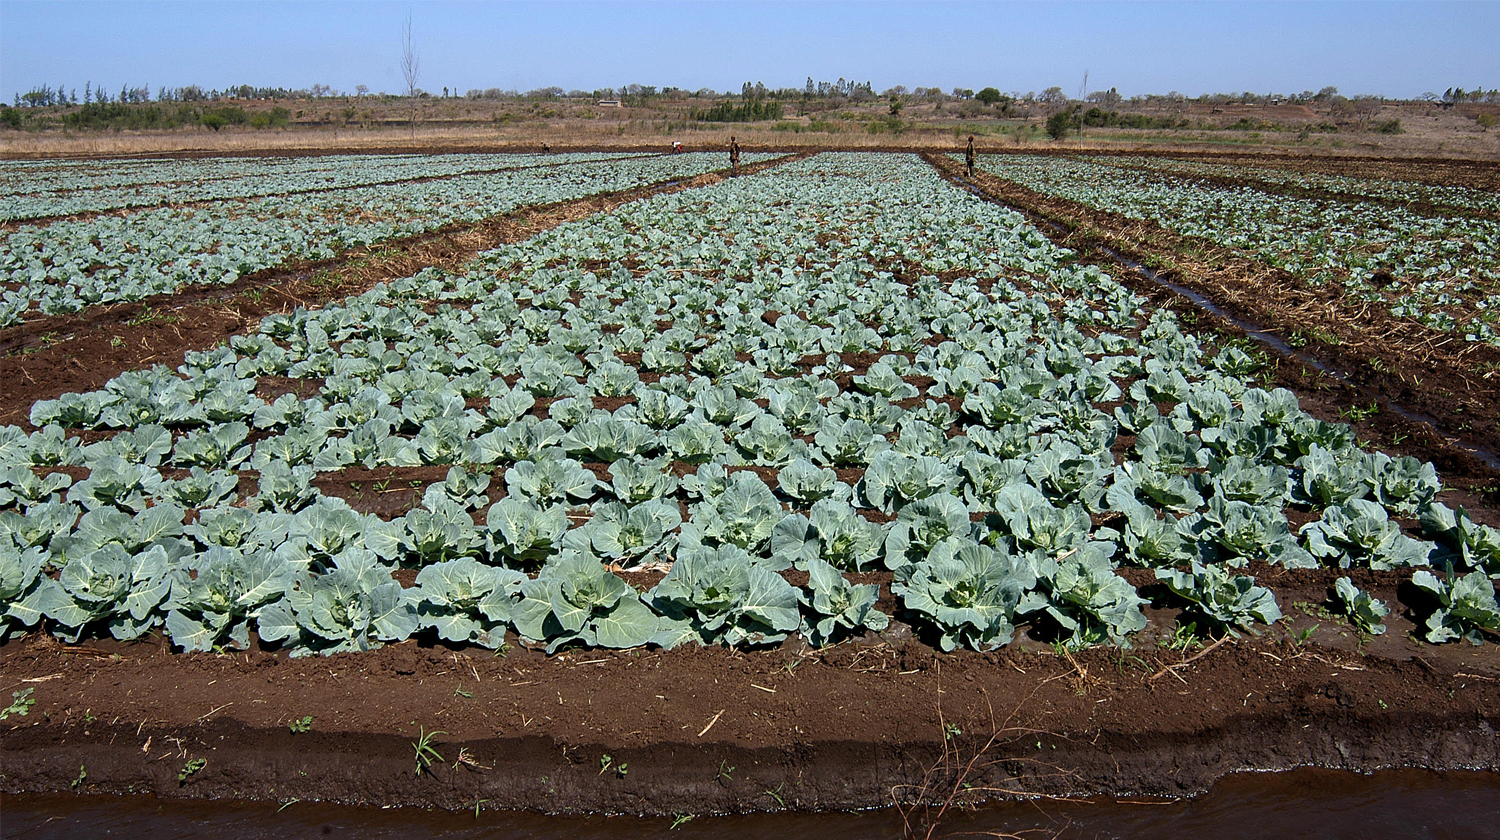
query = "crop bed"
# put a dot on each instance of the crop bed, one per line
(32, 190)
(66, 265)
(839, 411)
(1437, 268)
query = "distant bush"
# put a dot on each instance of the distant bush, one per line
(1058, 125)
(10, 117)
(748, 112)
(1391, 127)
(117, 116)
(990, 96)
(274, 118)
(1099, 118)
(217, 118)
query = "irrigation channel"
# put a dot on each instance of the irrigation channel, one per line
(1312, 803)
(1260, 334)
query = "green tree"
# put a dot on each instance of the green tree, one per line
(989, 96)
(1058, 125)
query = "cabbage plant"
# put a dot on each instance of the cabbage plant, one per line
(967, 593)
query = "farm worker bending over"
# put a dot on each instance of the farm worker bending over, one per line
(676, 146)
(969, 158)
(734, 156)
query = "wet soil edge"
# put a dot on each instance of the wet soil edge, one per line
(1463, 413)
(710, 730)
(538, 773)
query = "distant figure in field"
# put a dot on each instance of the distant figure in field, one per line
(969, 158)
(734, 156)
(676, 146)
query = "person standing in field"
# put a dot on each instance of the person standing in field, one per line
(734, 156)
(969, 158)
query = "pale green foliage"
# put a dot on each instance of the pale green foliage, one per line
(1465, 607)
(967, 592)
(1224, 599)
(575, 599)
(1364, 611)
(354, 606)
(1082, 593)
(836, 607)
(721, 596)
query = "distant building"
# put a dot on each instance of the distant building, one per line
(610, 103)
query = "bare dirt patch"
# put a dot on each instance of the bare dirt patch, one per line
(704, 730)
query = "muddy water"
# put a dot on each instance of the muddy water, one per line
(1321, 804)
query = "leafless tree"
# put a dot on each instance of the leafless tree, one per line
(410, 65)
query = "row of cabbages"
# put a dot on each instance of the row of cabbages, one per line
(1447, 265)
(34, 189)
(68, 265)
(1463, 198)
(973, 457)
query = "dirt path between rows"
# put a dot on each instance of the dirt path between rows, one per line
(13, 224)
(710, 730)
(1454, 383)
(1250, 181)
(81, 352)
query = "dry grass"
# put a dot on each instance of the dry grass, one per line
(1449, 135)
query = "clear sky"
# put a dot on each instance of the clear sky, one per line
(1394, 49)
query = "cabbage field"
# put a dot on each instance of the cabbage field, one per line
(774, 398)
(245, 221)
(1423, 252)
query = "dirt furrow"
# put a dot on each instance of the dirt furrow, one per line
(698, 730)
(82, 352)
(121, 212)
(1400, 362)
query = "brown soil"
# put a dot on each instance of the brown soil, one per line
(59, 354)
(1386, 360)
(696, 731)
(714, 730)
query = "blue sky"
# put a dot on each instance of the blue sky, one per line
(1396, 49)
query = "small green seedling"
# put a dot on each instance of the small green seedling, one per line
(300, 725)
(190, 769)
(82, 776)
(21, 703)
(776, 795)
(426, 753)
(607, 762)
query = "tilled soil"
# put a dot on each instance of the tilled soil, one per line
(1391, 362)
(708, 730)
(691, 731)
(54, 355)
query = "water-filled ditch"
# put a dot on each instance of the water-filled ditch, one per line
(1310, 803)
(1266, 337)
